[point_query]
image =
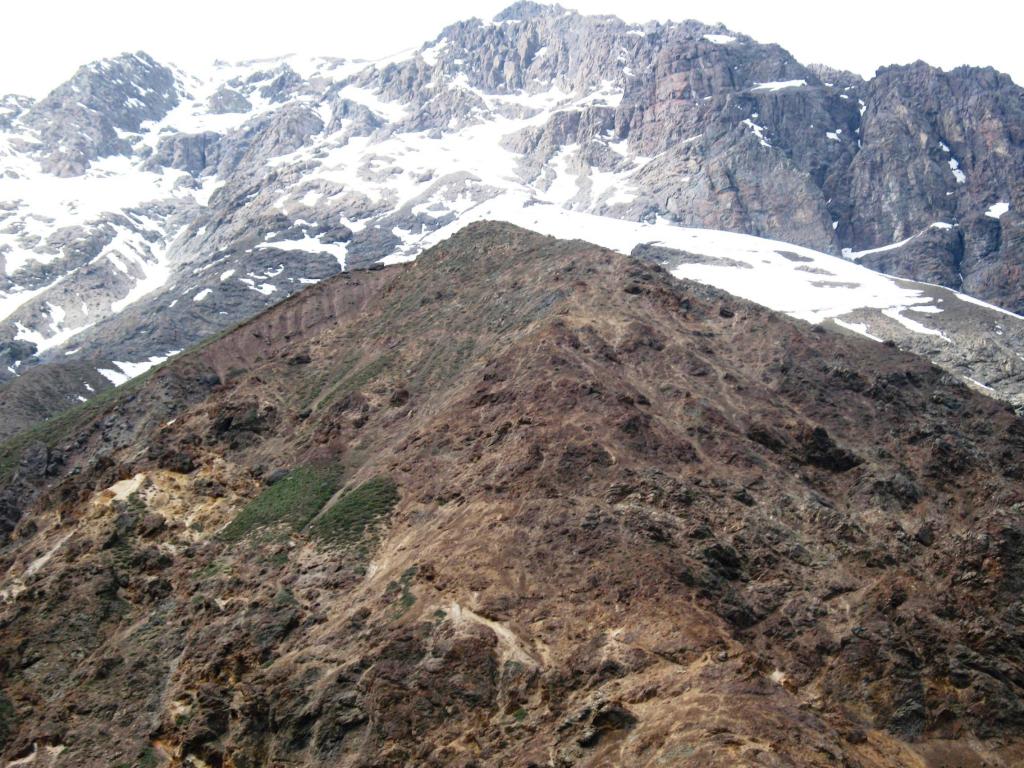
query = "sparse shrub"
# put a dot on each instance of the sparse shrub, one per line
(284, 598)
(362, 377)
(400, 592)
(136, 505)
(148, 758)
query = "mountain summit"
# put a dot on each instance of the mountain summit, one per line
(526, 10)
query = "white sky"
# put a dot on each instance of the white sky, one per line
(46, 40)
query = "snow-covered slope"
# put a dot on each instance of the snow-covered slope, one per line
(258, 179)
(143, 208)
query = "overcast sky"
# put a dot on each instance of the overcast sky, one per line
(46, 40)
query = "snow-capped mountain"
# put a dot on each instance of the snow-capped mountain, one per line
(143, 208)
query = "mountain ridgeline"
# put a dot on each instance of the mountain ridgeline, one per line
(524, 501)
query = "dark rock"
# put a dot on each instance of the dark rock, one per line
(276, 476)
(152, 523)
(818, 448)
(925, 535)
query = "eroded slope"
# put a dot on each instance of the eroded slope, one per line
(522, 502)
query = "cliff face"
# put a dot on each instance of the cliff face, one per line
(747, 139)
(524, 501)
(930, 127)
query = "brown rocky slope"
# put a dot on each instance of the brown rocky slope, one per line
(522, 502)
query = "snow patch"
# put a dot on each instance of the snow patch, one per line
(391, 111)
(758, 131)
(858, 328)
(774, 280)
(429, 55)
(856, 255)
(126, 371)
(312, 245)
(998, 210)
(912, 325)
(954, 166)
(779, 85)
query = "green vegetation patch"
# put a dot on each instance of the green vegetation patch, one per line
(284, 598)
(368, 372)
(123, 549)
(148, 758)
(315, 384)
(213, 569)
(292, 501)
(136, 505)
(359, 509)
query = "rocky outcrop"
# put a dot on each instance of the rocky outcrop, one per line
(228, 101)
(193, 153)
(12, 107)
(86, 117)
(954, 139)
(748, 139)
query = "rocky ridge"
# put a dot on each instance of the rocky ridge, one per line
(523, 501)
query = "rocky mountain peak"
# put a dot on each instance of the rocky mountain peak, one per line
(87, 117)
(524, 10)
(836, 77)
(113, 86)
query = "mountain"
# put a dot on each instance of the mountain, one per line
(145, 208)
(524, 501)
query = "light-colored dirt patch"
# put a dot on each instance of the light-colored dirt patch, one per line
(17, 585)
(122, 489)
(513, 648)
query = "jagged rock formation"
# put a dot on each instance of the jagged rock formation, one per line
(923, 128)
(586, 514)
(144, 208)
(86, 118)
